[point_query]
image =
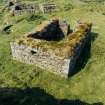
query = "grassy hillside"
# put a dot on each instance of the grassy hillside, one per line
(29, 85)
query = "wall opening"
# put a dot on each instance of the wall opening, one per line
(33, 52)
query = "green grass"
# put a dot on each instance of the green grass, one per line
(88, 85)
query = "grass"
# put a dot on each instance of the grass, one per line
(88, 85)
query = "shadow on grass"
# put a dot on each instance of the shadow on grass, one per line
(84, 56)
(34, 96)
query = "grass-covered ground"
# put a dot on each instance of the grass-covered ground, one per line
(88, 85)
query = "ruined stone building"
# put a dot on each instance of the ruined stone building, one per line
(18, 8)
(53, 46)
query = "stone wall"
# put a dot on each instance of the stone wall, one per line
(19, 9)
(47, 60)
(77, 52)
(47, 8)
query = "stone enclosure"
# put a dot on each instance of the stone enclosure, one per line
(53, 46)
(18, 8)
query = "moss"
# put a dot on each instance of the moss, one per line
(20, 41)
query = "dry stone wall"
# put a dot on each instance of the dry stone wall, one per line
(47, 60)
(47, 8)
(18, 9)
(77, 52)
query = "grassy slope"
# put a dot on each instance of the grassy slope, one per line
(88, 85)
